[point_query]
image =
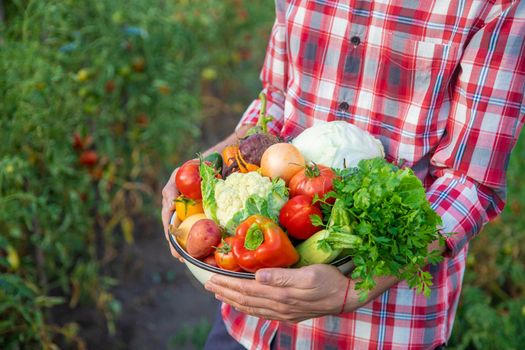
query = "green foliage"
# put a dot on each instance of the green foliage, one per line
(99, 101)
(383, 206)
(195, 335)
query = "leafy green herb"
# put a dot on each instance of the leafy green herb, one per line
(382, 216)
(316, 220)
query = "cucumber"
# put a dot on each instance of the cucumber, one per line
(316, 251)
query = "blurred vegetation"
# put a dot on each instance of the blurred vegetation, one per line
(191, 335)
(99, 101)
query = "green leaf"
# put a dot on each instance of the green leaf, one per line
(316, 220)
(269, 206)
(208, 182)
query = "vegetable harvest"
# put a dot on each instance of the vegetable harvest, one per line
(330, 190)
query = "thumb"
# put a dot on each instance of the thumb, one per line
(278, 277)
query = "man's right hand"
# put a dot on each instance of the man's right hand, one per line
(169, 194)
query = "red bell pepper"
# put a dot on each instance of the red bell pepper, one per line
(259, 242)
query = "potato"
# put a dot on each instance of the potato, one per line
(204, 236)
(182, 232)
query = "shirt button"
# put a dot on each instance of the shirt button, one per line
(355, 40)
(343, 106)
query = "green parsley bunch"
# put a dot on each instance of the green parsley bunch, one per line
(385, 209)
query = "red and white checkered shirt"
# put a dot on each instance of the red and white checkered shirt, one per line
(441, 84)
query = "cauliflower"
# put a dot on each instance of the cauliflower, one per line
(232, 193)
(229, 202)
(337, 144)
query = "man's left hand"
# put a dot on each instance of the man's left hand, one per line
(290, 295)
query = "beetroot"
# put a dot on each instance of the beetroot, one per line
(253, 146)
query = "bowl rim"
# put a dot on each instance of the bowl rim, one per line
(210, 268)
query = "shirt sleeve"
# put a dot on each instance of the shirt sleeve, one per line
(486, 116)
(274, 77)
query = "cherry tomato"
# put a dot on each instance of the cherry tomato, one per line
(312, 180)
(88, 158)
(224, 255)
(188, 179)
(295, 217)
(186, 207)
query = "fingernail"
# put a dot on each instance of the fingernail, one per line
(264, 276)
(218, 297)
(208, 286)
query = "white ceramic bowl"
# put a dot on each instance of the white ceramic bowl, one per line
(203, 272)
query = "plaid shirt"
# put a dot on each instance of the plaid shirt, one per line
(441, 84)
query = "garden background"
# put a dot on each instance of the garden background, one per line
(99, 101)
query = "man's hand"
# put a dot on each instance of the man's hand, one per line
(290, 295)
(169, 194)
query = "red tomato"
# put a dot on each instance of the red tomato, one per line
(295, 217)
(224, 255)
(88, 158)
(188, 179)
(312, 180)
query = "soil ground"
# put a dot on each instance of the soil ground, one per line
(162, 304)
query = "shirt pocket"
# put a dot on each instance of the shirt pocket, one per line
(414, 71)
(408, 81)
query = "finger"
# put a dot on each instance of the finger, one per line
(302, 278)
(246, 301)
(169, 193)
(166, 217)
(175, 254)
(265, 313)
(253, 288)
(172, 249)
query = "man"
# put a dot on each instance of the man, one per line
(441, 84)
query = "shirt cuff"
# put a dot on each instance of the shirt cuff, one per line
(457, 200)
(274, 107)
